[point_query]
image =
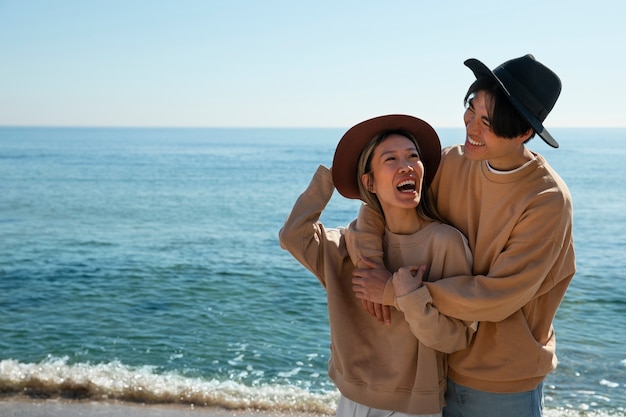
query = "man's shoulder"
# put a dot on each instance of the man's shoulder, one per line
(549, 180)
(452, 150)
(453, 158)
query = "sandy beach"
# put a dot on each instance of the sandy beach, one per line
(26, 407)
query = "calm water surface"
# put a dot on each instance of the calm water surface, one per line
(143, 264)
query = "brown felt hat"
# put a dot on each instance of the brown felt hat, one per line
(357, 137)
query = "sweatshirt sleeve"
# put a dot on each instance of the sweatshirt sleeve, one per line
(364, 239)
(520, 229)
(304, 236)
(451, 257)
(432, 328)
(537, 257)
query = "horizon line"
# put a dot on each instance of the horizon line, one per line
(247, 127)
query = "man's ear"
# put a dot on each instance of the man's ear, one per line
(525, 136)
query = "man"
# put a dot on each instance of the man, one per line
(516, 213)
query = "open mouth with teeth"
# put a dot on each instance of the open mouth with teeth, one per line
(473, 142)
(406, 186)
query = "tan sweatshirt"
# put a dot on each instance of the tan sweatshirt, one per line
(519, 227)
(384, 367)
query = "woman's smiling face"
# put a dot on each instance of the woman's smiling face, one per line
(396, 174)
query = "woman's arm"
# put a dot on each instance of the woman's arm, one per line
(432, 328)
(303, 235)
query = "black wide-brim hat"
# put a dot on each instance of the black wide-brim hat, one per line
(353, 142)
(531, 87)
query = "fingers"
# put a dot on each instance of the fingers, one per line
(419, 272)
(369, 263)
(381, 312)
(368, 307)
(416, 271)
(373, 311)
(358, 289)
(365, 305)
(378, 310)
(386, 312)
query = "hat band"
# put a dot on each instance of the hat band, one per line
(517, 90)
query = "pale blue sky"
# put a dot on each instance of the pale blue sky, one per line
(295, 63)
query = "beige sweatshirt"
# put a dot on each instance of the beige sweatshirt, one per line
(384, 367)
(519, 227)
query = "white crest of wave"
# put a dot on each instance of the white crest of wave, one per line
(114, 380)
(54, 377)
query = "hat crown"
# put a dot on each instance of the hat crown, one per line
(532, 83)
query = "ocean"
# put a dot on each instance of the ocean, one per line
(143, 264)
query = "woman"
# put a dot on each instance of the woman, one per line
(398, 369)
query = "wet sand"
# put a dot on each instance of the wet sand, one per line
(26, 407)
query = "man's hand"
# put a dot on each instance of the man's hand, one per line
(368, 284)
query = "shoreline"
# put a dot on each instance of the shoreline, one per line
(24, 406)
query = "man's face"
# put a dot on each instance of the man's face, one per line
(481, 143)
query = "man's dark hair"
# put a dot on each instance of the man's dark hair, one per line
(505, 119)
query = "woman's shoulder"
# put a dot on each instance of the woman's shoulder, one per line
(439, 227)
(449, 243)
(446, 232)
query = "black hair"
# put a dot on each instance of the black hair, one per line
(504, 119)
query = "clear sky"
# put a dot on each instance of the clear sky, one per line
(259, 63)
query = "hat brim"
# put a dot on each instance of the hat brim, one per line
(349, 148)
(481, 70)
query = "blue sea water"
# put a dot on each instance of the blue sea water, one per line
(144, 265)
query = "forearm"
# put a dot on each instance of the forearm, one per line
(302, 234)
(432, 328)
(508, 286)
(364, 237)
